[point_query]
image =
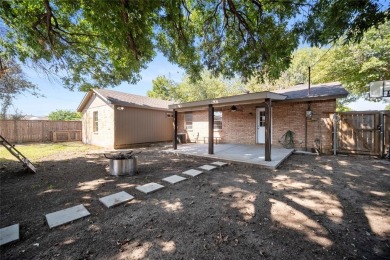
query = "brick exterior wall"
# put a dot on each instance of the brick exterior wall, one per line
(240, 127)
(292, 116)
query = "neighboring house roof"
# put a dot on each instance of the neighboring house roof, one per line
(32, 117)
(125, 99)
(320, 91)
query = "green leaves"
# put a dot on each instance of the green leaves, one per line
(206, 87)
(98, 43)
(356, 65)
(64, 115)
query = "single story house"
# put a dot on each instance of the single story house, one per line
(262, 118)
(117, 120)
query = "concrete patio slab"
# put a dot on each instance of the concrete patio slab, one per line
(64, 216)
(9, 234)
(115, 199)
(220, 164)
(150, 187)
(207, 167)
(174, 179)
(253, 154)
(192, 172)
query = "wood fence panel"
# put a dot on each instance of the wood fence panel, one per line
(24, 131)
(386, 131)
(359, 132)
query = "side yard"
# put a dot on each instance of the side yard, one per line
(311, 208)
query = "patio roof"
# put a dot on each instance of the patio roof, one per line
(232, 100)
(296, 93)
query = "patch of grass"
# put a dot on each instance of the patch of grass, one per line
(35, 152)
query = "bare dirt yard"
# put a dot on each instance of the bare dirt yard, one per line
(325, 207)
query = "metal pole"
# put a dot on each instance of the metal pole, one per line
(308, 92)
(334, 133)
(174, 129)
(267, 144)
(382, 132)
(211, 129)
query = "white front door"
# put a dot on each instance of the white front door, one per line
(260, 125)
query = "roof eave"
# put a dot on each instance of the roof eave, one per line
(84, 102)
(314, 98)
(139, 106)
(225, 101)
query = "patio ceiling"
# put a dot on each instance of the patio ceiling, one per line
(244, 99)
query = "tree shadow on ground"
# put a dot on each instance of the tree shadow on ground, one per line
(322, 207)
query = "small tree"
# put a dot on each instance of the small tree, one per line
(65, 115)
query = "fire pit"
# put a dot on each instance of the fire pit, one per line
(122, 163)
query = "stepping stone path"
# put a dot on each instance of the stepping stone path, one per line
(150, 187)
(220, 164)
(207, 167)
(115, 199)
(9, 234)
(192, 172)
(64, 216)
(174, 179)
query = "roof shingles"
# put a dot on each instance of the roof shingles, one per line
(316, 91)
(131, 100)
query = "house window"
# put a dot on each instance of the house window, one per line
(262, 118)
(188, 120)
(217, 120)
(95, 121)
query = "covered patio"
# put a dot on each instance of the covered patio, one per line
(253, 154)
(260, 99)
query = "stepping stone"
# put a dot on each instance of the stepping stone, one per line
(192, 172)
(115, 199)
(64, 216)
(150, 187)
(174, 179)
(207, 167)
(9, 234)
(220, 164)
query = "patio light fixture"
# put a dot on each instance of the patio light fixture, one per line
(120, 108)
(233, 109)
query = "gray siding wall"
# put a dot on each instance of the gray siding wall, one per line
(137, 125)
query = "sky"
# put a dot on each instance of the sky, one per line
(57, 97)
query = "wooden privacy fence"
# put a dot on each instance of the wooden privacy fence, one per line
(24, 131)
(365, 132)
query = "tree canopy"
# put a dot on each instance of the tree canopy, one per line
(208, 86)
(356, 65)
(102, 43)
(66, 115)
(353, 64)
(12, 83)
